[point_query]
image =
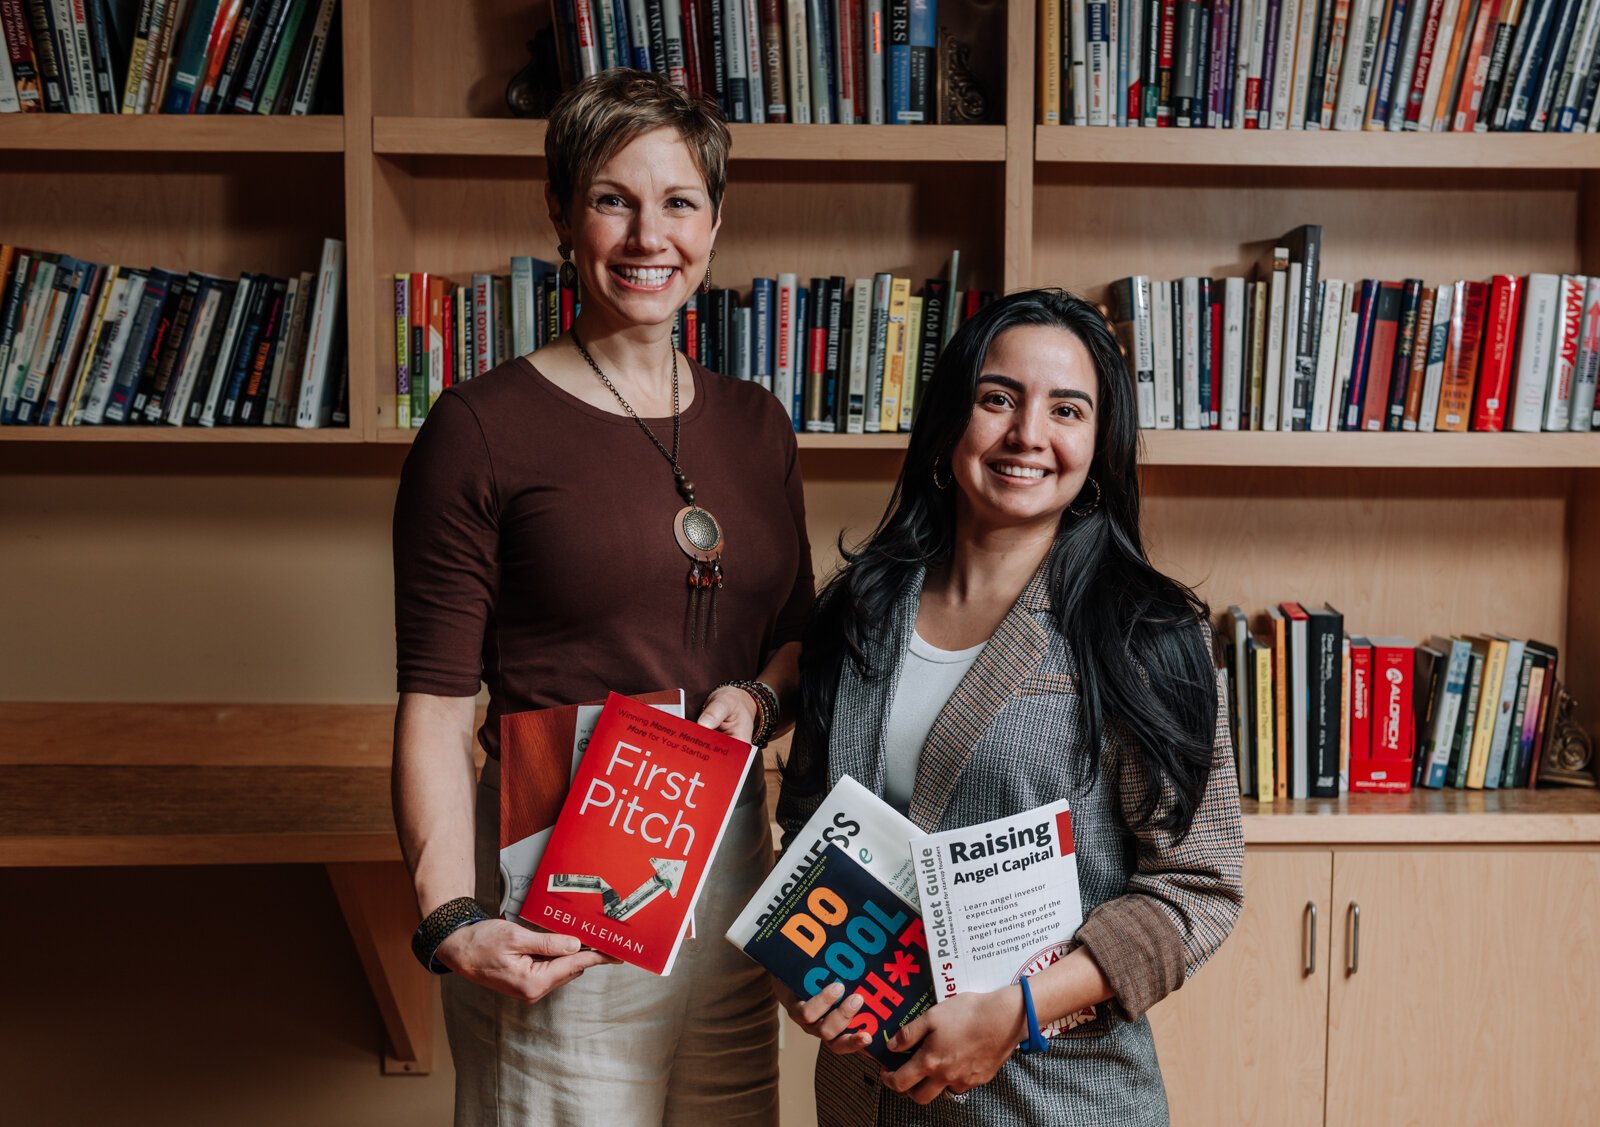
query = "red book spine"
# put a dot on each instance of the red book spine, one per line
(1419, 74)
(1499, 346)
(1393, 677)
(1475, 68)
(1164, 61)
(1360, 699)
(448, 330)
(1385, 328)
(691, 331)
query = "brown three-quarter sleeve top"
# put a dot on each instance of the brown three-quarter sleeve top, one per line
(534, 551)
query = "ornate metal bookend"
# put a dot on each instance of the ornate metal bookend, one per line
(961, 102)
(535, 88)
(1569, 757)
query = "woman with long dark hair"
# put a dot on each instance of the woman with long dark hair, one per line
(1002, 641)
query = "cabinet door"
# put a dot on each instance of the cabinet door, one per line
(1243, 1041)
(1474, 988)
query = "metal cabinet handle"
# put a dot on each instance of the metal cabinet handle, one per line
(1353, 924)
(1309, 946)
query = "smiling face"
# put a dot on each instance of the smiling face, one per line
(1029, 442)
(640, 232)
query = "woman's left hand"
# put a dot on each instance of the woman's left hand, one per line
(732, 711)
(960, 1044)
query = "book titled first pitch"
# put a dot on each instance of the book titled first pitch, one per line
(644, 818)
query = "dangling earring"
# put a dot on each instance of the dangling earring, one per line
(705, 286)
(1093, 505)
(568, 274)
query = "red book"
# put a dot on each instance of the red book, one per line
(1424, 63)
(1388, 767)
(1499, 346)
(1466, 342)
(1380, 361)
(637, 833)
(1360, 698)
(539, 751)
(447, 322)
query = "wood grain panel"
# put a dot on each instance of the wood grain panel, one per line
(1579, 665)
(1568, 816)
(1093, 225)
(1399, 552)
(1475, 992)
(1253, 1010)
(179, 211)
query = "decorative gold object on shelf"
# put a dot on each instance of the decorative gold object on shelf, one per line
(959, 99)
(1569, 758)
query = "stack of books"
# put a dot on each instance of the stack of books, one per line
(1316, 712)
(87, 343)
(1393, 65)
(169, 56)
(1292, 350)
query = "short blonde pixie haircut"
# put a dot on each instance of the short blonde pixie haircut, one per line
(599, 116)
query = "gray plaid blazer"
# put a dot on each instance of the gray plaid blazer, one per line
(1155, 909)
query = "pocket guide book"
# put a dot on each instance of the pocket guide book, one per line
(1000, 900)
(539, 753)
(640, 825)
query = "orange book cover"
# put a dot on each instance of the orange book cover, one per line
(1466, 340)
(539, 752)
(637, 833)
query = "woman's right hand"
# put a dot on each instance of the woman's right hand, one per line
(824, 1019)
(514, 960)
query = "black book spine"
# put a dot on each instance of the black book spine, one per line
(246, 31)
(1177, 351)
(1319, 63)
(1405, 341)
(935, 306)
(17, 283)
(1325, 668)
(255, 67)
(719, 59)
(833, 357)
(100, 50)
(208, 359)
(44, 56)
(153, 407)
(161, 340)
(253, 403)
(244, 349)
(1494, 82)
(655, 20)
(1204, 314)
(146, 322)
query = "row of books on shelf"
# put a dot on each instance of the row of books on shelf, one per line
(842, 356)
(86, 343)
(1395, 65)
(168, 56)
(822, 62)
(1316, 712)
(1292, 350)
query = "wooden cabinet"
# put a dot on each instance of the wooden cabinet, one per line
(1456, 975)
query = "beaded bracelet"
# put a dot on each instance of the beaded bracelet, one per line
(1036, 1042)
(444, 920)
(766, 700)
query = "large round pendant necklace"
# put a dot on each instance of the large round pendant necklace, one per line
(697, 532)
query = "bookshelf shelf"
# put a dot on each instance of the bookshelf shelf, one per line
(1316, 149)
(1363, 451)
(1429, 817)
(183, 436)
(510, 137)
(170, 133)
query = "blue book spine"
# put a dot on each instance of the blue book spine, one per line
(1455, 686)
(1269, 63)
(762, 293)
(1524, 94)
(899, 62)
(802, 324)
(1361, 354)
(1391, 52)
(923, 60)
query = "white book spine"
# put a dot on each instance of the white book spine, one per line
(1278, 300)
(1581, 417)
(1099, 69)
(1232, 350)
(94, 409)
(1283, 84)
(743, 317)
(873, 45)
(1347, 352)
(860, 328)
(1245, 16)
(1438, 356)
(1563, 352)
(1259, 49)
(1161, 346)
(1143, 358)
(1299, 699)
(672, 44)
(736, 59)
(1305, 44)
(1436, 76)
(294, 366)
(783, 378)
(1135, 37)
(9, 102)
(1581, 60)
(799, 63)
(34, 314)
(1360, 57)
(292, 301)
(230, 340)
(1291, 333)
(1191, 355)
(39, 364)
(178, 407)
(1078, 36)
(321, 366)
(522, 297)
(1332, 321)
(753, 53)
(1535, 344)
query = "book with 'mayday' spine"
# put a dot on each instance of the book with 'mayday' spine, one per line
(637, 832)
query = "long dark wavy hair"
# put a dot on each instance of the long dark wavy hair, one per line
(1143, 660)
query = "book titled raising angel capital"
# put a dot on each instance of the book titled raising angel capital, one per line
(638, 830)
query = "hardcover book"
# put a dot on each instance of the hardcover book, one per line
(638, 831)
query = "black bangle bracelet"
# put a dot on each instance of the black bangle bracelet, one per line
(444, 920)
(766, 708)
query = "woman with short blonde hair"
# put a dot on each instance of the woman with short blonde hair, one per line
(601, 515)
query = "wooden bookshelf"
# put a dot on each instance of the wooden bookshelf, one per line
(170, 133)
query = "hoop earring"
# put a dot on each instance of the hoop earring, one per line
(705, 286)
(941, 486)
(567, 275)
(1093, 505)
